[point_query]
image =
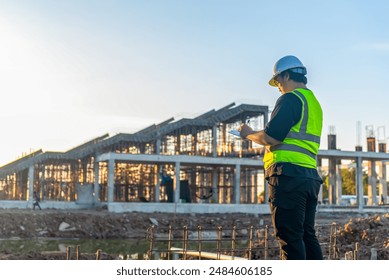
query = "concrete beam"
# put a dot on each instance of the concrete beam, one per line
(183, 159)
(352, 155)
(256, 209)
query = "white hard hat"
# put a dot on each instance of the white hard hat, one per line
(288, 62)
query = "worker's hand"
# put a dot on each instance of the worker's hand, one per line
(245, 130)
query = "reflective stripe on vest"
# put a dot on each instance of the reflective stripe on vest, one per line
(301, 144)
(303, 135)
(292, 148)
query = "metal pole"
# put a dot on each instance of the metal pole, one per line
(77, 252)
(266, 242)
(185, 242)
(250, 243)
(233, 240)
(356, 251)
(98, 254)
(200, 240)
(332, 245)
(68, 253)
(169, 242)
(218, 242)
(151, 239)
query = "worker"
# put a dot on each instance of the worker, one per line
(36, 201)
(167, 182)
(291, 139)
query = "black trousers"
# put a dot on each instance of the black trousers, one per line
(293, 204)
(36, 203)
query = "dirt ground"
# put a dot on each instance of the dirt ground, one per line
(351, 230)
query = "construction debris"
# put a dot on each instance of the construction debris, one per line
(353, 236)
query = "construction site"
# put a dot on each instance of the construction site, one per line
(189, 165)
(187, 172)
(198, 156)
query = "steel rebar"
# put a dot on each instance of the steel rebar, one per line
(98, 254)
(266, 242)
(250, 243)
(151, 241)
(185, 242)
(218, 242)
(169, 242)
(356, 256)
(78, 252)
(199, 230)
(233, 241)
(67, 253)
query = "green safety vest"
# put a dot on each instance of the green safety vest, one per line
(301, 145)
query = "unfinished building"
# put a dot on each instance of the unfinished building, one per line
(188, 161)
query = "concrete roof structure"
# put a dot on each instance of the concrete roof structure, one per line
(99, 145)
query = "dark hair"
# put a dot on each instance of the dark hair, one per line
(297, 77)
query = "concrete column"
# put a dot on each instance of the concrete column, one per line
(41, 181)
(383, 184)
(214, 141)
(142, 148)
(111, 179)
(372, 188)
(157, 191)
(96, 187)
(158, 146)
(193, 180)
(31, 183)
(177, 183)
(193, 143)
(23, 184)
(339, 184)
(177, 147)
(224, 148)
(332, 181)
(215, 181)
(84, 171)
(254, 179)
(237, 184)
(359, 181)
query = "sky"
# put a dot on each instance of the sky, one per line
(73, 70)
